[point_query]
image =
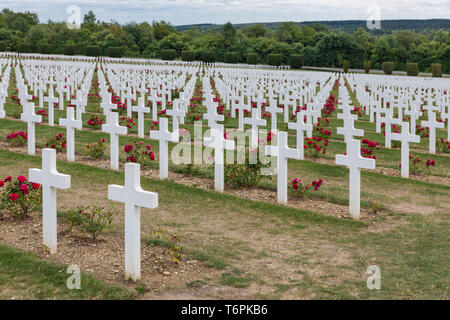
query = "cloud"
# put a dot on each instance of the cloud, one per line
(181, 12)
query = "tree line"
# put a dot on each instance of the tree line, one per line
(312, 45)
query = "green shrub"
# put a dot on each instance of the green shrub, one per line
(412, 69)
(436, 70)
(169, 54)
(345, 66)
(3, 46)
(92, 51)
(367, 65)
(187, 55)
(91, 219)
(274, 59)
(44, 48)
(297, 61)
(115, 52)
(69, 49)
(97, 150)
(244, 175)
(230, 57)
(23, 48)
(388, 67)
(208, 56)
(252, 58)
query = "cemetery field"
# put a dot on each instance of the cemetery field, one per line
(235, 248)
(209, 181)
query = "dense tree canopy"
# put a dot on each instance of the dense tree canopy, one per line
(319, 45)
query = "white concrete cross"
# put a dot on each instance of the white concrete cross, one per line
(212, 117)
(141, 110)
(433, 125)
(155, 99)
(241, 107)
(300, 126)
(349, 131)
(114, 129)
(282, 152)
(71, 124)
(164, 136)
(355, 162)
(50, 180)
(219, 143)
(445, 115)
(255, 121)
(31, 118)
(274, 110)
(405, 137)
(414, 114)
(176, 113)
(51, 100)
(134, 198)
(388, 122)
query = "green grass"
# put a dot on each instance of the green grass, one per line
(24, 276)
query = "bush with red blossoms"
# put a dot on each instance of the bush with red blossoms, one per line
(59, 142)
(19, 197)
(17, 138)
(368, 148)
(423, 132)
(300, 188)
(42, 113)
(95, 122)
(443, 146)
(418, 167)
(127, 122)
(139, 153)
(317, 144)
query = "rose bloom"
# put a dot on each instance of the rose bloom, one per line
(21, 179)
(14, 196)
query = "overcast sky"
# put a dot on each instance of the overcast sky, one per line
(180, 12)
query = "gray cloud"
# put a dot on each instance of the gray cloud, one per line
(181, 12)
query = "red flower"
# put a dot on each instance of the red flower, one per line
(36, 186)
(8, 178)
(1, 183)
(14, 196)
(21, 179)
(294, 186)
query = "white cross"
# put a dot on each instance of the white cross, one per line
(114, 129)
(274, 110)
(388, 121)
(132, 195)
(301, 126)
(219, 143)
(414, 114)
(255, 121)
(71, 124)
(31, 118)
(211, 115)
(176, 113)
(445, 115)
(50, 180)
(154, 99)
(354, 161)
(405, 137)
(241, 108)
(432, 124)
(141, 110)
(282, 152)
(349, 131)
(51, 99)
(164, 136)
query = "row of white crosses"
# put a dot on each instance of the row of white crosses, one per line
(4, 84)
(131, 194)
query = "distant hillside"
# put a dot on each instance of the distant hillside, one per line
(387, 26)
